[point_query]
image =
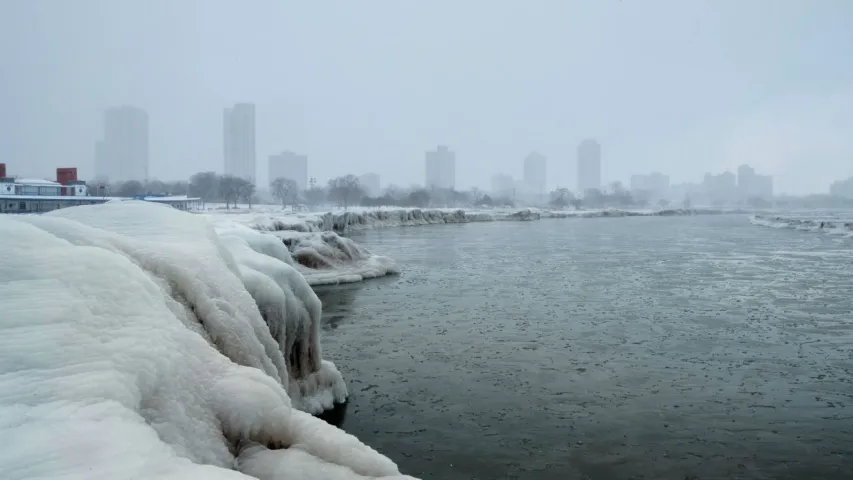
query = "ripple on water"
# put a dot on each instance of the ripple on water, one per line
(606, 348)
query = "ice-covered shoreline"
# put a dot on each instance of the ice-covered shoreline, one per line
(161, 347)
(827, 223)
(277, 219)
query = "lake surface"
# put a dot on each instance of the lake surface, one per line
(620, 348)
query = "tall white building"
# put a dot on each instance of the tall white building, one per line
(239, 141)
(503, 185)
(440, 168)
(842, 188)
(752, 185)
(369, 182)
(589, 166)
(535, 174)
(289, 165)
(123, 153)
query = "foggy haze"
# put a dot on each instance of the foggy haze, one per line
(681, 87)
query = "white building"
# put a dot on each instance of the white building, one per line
(842, 188)
(503, 186)
(535, 174)
(753, 185)
(655, 184)
(589, 166)
(289, 165)
(239, 141)
(123, 153)
(369, 183)
(720, 189)
(440, 168)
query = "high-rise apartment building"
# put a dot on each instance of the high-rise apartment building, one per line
(289, 165)
(753, 185)
(239, 141)
(535, 174)
(123, 153)
(589, 166)
(440, 168)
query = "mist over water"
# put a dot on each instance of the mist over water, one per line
(702, 347)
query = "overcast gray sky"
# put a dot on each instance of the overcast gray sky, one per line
(680, 86)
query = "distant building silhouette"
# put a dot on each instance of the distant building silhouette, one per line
(123, 153)
(503, 185)
(369, 182)
(842, 188)
(239, 141)
(720, 189)
(289, 165)
(535, 174)
(440, 168)
(589, 166)
(752, 185)
(655, 184)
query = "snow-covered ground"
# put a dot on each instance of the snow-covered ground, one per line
(139, 341)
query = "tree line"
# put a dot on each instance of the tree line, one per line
(346, 191)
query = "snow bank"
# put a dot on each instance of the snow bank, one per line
(830, 223)
(137, 342)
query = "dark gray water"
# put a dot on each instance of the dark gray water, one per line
(627, 348)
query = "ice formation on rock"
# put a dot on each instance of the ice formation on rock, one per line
(138, 343)
(326, 258)
(375, 218)
(833, 224)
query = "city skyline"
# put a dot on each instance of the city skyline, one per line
(781, 102)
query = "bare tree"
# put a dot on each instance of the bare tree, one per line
(345, 190)
(315, 195)
(283, 189)
(562, 197)
(246, 190)
(204, 185)
(229, 189)
(129, 188)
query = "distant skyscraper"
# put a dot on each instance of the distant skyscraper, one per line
(123, 153)
(589, 166)
(503, 185)
(440, 168)
(535, 174)
(290, 165)
(369, 182)
(239, 141)
(655, 184)
(750, 184)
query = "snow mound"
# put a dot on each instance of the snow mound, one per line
(137, 342)
(831, 223)
(326, 258)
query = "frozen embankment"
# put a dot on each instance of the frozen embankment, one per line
(832, 224)
(137, 342)
(322, 258)
(276, 221)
